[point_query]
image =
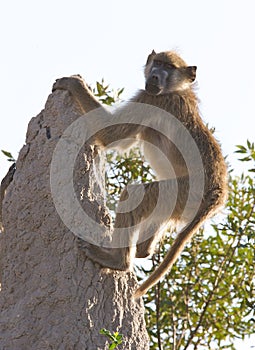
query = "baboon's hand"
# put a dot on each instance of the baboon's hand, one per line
(81, 92)
(68, 83)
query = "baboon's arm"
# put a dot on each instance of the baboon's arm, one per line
(79, 90)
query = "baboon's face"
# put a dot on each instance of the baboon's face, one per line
(167, 72)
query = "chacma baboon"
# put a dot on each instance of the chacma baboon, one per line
(190, 168)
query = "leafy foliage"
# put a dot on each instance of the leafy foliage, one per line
(106, 95)
(116, 338)
(122, 170)
(208, 299)
(247, 152)
(9, 156)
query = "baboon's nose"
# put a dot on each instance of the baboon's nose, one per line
(155, 79)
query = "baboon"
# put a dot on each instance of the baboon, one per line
(191, 173)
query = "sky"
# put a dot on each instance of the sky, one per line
(45, 40)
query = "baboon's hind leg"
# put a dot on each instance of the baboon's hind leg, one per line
(113, 258)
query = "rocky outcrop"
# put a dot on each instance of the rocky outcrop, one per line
(52, 296)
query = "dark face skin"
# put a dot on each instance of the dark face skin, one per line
(159, 77)
(164, 77)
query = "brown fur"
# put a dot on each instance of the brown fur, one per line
(168, 87)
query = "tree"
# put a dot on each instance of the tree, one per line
(207, 300)
(52, 296)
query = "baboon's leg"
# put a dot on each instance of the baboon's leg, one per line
(113, 258)
(120, 256)
(146, 248)
(148, 240)
(141, 212)
(164, 201)
(137, 203)
(125, 233)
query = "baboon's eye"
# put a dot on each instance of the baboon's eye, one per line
(157, 63)
(169, 66)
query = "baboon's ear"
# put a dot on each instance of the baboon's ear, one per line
(150, 57)
(191, 72)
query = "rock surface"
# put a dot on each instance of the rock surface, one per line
(52, 296)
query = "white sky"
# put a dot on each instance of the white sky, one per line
(45, 40)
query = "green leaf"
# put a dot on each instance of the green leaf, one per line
(241, 148)
(99, 88)
(116, 338)
(9, 155)
(120, 92)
